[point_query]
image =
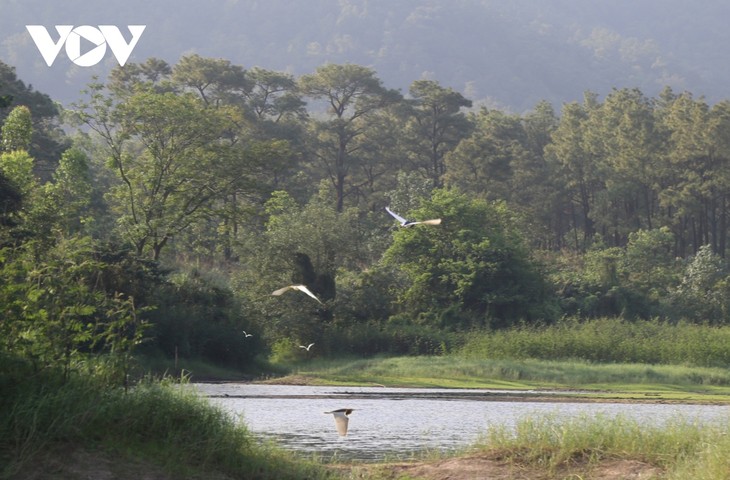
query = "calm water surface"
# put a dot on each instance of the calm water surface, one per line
(392, 423)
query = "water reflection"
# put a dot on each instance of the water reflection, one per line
(390, 423)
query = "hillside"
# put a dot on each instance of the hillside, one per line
(505, 54)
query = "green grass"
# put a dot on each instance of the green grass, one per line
(607, 340)
(156, 421)
(680, 449)
(626, 359)
(605, 380)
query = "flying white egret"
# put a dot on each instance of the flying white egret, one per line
(341, 419)
(247, 334)
(409, 223)
(301, 288)
(307, 347)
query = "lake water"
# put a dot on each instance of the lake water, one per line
(395, 423)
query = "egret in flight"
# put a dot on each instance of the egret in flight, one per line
(247, 334)
(301, 288)
(408, 223)
(341, 419)
(307, 347)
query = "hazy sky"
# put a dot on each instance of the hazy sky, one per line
(512, 53)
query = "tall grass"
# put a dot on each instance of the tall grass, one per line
(681, 449)
(159, 421)
(608, 340)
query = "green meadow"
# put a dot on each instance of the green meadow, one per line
(611, 358)
(617, 380)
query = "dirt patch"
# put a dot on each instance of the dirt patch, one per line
(491, 467)
(626, 469)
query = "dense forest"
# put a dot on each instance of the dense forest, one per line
(177, 198)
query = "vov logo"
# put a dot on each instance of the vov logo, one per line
(99, 38)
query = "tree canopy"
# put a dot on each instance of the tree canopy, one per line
(193, 191)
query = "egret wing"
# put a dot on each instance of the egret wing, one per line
(396, 216)
(281, 290)
(304, 289)
(301, 288)
(435, 221)
(341, 420)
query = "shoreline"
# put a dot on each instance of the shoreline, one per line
(483, 394)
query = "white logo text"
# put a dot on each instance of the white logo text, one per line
(98, 37)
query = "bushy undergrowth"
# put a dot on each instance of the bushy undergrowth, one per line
(608, 340)
(161, 421)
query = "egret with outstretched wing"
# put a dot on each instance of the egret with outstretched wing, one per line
(408, 223)
(301, 288)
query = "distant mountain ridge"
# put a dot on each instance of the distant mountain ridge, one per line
(504, 54)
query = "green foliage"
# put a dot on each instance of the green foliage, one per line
(17, 130)
(472, 270)
(434, 127)
(164, 149)
(554, 443)
(607, 340)
(11, 203)
(163, 422)
(17, 167)
(285, 351)
(353, 95)
(635, 281)
(47, 140)
(56, 314)
(703, 292)
(197, 317)
(71, 191)
(484, 163)
(306, 244)
(57, 207)
(187, 156)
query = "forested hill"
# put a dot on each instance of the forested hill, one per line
(505, 54)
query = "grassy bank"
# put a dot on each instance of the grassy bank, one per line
(679, 450)
(626, 358)
(582, 448)
(604, 380)
(158, 423)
